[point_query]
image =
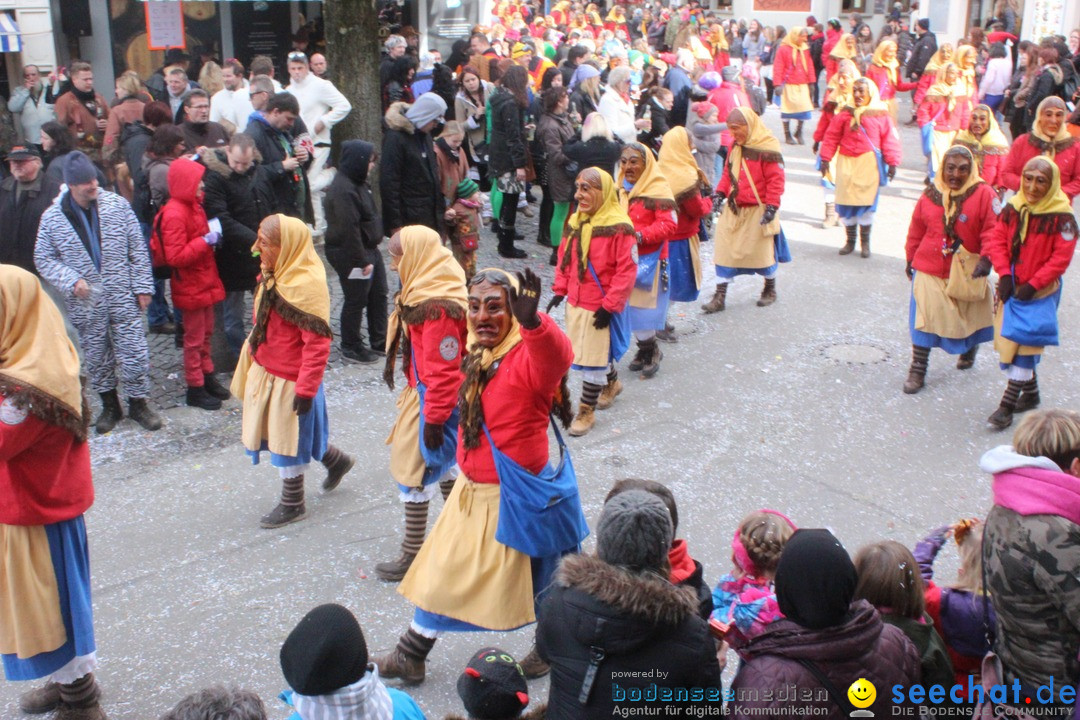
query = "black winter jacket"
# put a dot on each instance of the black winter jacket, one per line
(290, 186)
(924, 49)
(240, 202)
(506, 146)
(408, 175)
(594, 152)
(600, 624)
(20, 219)
(353, 227)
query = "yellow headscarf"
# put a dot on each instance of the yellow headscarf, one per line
(652, 184)
(891, 66)
(613, 15)
(718, 38)
(966, 58)
(841, 51)
(39, 368)
(1062, 133)
(950, 199)
(939, 59)
(760, 138)
(875, 102)
(609, 216)
(428, 271)
(795, 41)
(992, 138)
(1054, 202)
(677, 164)
(842, 98)
(942, 88)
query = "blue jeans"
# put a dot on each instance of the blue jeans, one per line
(157, 313)
(232, 311)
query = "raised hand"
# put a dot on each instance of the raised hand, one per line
(524, 302)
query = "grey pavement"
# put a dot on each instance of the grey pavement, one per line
(795, 407)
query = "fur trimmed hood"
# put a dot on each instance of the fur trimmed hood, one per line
(395, 118)
(216, 162)
(537, 713)
(645, 598)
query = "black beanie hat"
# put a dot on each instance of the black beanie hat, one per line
(325, 652)
(634, 532)
(493, 686)
(815, 580)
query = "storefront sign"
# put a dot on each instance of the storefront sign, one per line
(165, 24)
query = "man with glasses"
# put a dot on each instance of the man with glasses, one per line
(321, 106)
(199, 132)
(31, 101)
(231, 105)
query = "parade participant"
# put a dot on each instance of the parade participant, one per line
(938, 117)
(884, 70)
(942, 57)
(838, 97)
(647, 199)
(472, 573)
(1050, 138)
(845, 49)
(751, 184)
(793, 73)
(728, 96)
(987, 143)
(951, 303)
(692, 194)
(596, 272)
(968, 93)
(863, 138)
(280, 373)
(47, 627)
(1031, 247)
(428, 326)
(718, 47)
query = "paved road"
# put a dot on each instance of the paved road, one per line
(795, 407)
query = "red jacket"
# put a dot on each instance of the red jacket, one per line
(182, 222)
(517, 401)
(726, 98)
(294, 354)
(1028, 146)
(936, 110)
(828, 112)
(925, 81)
(886, 86)
(436, 347)
(1044, 256)
(852, 141)
(44, 471)
(991, 164)
(926, 233)
(786, 69)
(611, 256)
(692, 208)
(656, 225)
(768, 178)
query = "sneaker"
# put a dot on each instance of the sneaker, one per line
(362, 356)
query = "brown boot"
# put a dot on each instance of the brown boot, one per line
(652, 359)
(849, 244)
(337, 464)
(80, 700)
(920, 361)
(533, 667)
(831, 218)
(40, 700)
(406, 662)
(1003, 416)
(768, 293)
(967, 360)
(283, 515)
(864, 241)
(787, 133)
(608, 394)
(717, 303)
(1029, 396)
(395, 570)
(583, 421)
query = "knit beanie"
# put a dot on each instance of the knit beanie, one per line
(467, 188)
(924, 23)
(493, 686)
(634, 531)
(427, 107)
(78, 170)
(325, 652)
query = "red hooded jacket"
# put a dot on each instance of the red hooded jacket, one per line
(182, 223)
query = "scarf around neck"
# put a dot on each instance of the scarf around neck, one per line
(760, 140)
(1055, 202)
(677, 164)
(952, 201)
(651, 188)
(608, 219)
(794, 41)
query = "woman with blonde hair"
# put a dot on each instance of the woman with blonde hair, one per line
(210, 78)
(596, 148)
(130, 103)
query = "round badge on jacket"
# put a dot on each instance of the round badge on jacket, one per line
(11, 413)
(448, 348)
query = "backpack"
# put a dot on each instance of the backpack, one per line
(162, 269)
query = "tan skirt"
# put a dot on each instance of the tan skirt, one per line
(30, 618)
(407, 464)
(937, 313)
(592, 347)
(740, 240)
(463, 572)
(647, 299)
(795, 99)
(856, 179)
(268, 412)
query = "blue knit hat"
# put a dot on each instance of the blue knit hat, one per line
(78, 170)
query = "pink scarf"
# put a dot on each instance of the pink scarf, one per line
(1038, 491)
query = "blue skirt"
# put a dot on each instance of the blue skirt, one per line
(1022, 361)
(71, 562)
(953, 346)
(804, 115)
(683, 283)
(314, 436)
(856, 211)
(728, 273)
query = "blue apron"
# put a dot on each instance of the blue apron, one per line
(618, 330)
(439, 461)
(539, 515)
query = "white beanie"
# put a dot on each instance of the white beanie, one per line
(427, 107)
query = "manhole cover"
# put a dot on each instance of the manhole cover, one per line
(855, 354)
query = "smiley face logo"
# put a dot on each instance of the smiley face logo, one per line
(862, 693)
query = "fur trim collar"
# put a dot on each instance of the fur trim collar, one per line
(647, 596)
(396, 120)
(215, 163)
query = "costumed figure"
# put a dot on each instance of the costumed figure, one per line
(793, 72)
(748, 239)
(884, 70)
(866, 145)
(967, 94)
(47, 624)
(987, 143)
(845, 49)
(596, 271)
(938, 60)
(838, 98)
(1049, 137)
(718, 47)
(280, 372)
(1031, 248)
(428, 326)
(938, 116)
(951, 302)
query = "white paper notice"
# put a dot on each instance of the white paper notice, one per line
(359, 274)
(164, 24)
(215, 225)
